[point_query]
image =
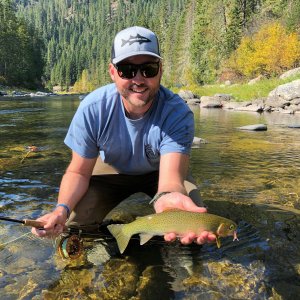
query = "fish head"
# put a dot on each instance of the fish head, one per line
(227, 229)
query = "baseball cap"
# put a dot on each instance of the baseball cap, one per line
(134, 41)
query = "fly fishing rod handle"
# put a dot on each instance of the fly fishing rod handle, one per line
(33, 223)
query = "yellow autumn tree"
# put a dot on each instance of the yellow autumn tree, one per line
(84, 84)
(270, 51)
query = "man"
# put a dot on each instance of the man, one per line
(143, 134)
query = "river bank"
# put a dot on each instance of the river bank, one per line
(284, 98)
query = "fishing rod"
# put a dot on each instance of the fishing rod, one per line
(25, 222)
(69, 244)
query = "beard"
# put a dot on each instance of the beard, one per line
(139, 95)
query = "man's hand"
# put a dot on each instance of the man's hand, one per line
(177, 200)
(54, 224)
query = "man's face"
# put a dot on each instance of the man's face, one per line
(138, 92)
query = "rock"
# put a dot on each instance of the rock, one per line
(255, 127)
(255, 80)
(286, 92)
(198, 141)
(276, 102)
(42, 94)
(236, 105)
(194, 101)
(231, 105)
(224, 97)
(210, 102)
(290, 73)
(185, 95)
(286, 110)
(19, 94)
(251, 107)
(295, 101)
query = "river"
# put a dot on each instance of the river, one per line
(250, 177)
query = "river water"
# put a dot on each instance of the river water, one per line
(250, 177)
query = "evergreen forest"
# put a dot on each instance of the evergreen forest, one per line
(67, 43)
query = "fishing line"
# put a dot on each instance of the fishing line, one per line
(15, 239)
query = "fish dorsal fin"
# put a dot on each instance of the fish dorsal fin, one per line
(145, 237)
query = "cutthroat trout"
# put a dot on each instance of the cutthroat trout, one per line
(178, 221)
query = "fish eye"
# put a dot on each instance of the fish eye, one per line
(231, 227)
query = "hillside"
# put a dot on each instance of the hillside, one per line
(197, 36)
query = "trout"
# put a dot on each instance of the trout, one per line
(178, 221)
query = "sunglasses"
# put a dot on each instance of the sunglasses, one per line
(129, 71)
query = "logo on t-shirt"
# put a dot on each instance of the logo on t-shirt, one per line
(150, 153)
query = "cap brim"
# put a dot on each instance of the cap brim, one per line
(122, 57)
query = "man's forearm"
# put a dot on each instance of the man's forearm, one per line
(72, 188)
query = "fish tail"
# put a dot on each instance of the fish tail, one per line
(117, 230)
(124, 42)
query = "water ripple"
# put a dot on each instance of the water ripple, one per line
(20, 110)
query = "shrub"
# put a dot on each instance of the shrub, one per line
(269, 52)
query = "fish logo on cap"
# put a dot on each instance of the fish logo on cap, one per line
(135, 39)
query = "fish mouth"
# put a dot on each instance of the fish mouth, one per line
(235, 238)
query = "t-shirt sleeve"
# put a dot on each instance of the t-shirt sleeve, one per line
(82, 134)
(179, 134)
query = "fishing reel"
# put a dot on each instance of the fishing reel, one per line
(70, 246)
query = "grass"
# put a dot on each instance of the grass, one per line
(240, 92)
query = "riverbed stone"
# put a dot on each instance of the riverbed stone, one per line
(255, 127)
(197, 141)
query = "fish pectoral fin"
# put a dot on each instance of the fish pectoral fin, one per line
(144, 238)
(218, 241)
(221, 230)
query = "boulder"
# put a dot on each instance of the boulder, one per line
(185, 95)
(210, 102)
(276, 102)
(286, 92)
(290, 73)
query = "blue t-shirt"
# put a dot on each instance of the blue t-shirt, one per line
(132, 147)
